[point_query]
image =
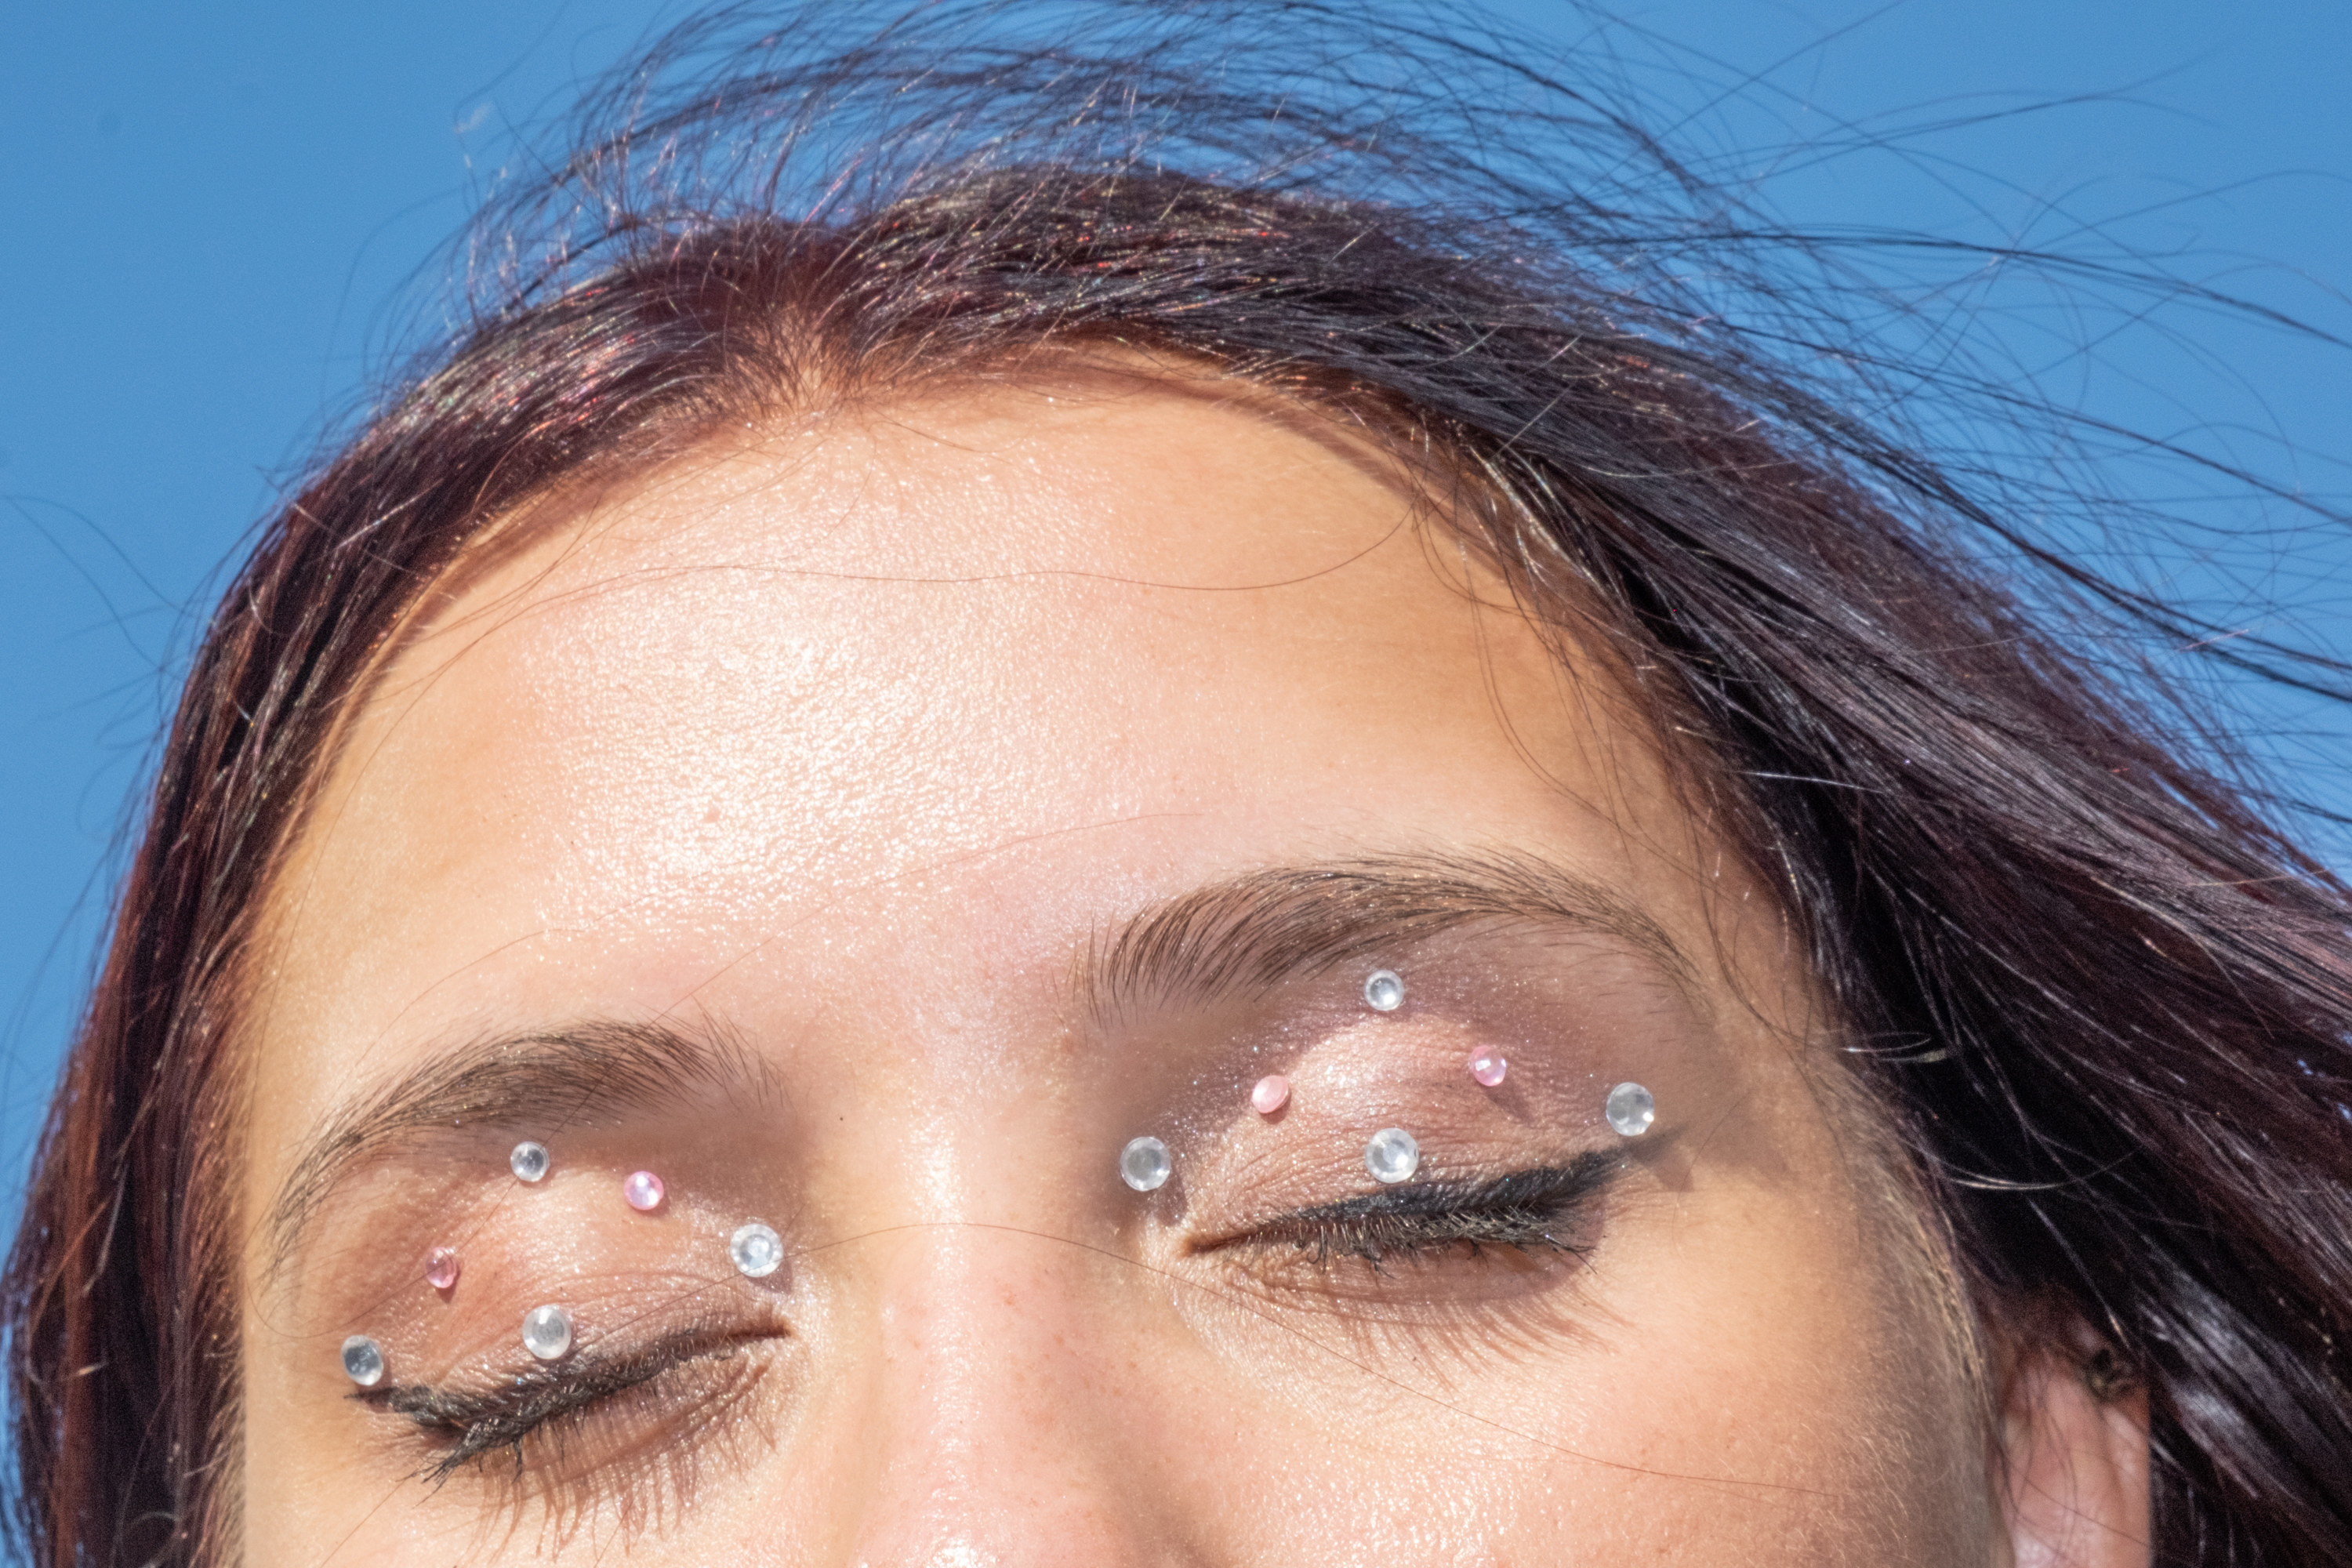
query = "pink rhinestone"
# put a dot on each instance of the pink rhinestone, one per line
(644, 1191)
(1272, 1093)
(1489, 1069)
(441, 1268)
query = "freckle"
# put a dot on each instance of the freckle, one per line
(1272, 1093)
(441, 1268)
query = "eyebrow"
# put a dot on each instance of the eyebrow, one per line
(1257, 931)
(583, 1075)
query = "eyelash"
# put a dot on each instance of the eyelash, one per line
(546, 1399)
(1542, 1210)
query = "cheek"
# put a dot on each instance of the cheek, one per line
(1777, 1378)
(1743, 1374)
(1804, 1346)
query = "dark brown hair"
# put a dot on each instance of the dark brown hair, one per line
(2103, 995)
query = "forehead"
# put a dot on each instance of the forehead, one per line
(920, 691)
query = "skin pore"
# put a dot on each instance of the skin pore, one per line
(872, 824)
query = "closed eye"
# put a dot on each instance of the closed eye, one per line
(1547, 1209)
(474, 1423)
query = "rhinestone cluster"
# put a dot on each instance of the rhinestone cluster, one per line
(1392, 1154)
(755, 1249)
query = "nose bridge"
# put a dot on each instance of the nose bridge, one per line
(1000, 1407)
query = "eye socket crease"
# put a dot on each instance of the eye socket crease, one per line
(1541, 1209)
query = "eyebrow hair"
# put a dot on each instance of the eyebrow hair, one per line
(1262, 927)
(579, 1075)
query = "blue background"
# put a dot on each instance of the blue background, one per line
(206, 211)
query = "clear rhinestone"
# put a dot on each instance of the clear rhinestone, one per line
(1144, 1164)
(758, 1251)
(363, 1361)
(1631, 1108)
(1392, 1156)
(1383, 992)
(529, 1162)
(547, 1333)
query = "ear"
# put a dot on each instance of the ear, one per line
(2075, 1468)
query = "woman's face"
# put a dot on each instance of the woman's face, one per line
(869, 830)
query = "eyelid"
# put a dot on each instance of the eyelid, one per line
(503, 1416)
(1517, 1209)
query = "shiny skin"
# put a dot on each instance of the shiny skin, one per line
(843, 738)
